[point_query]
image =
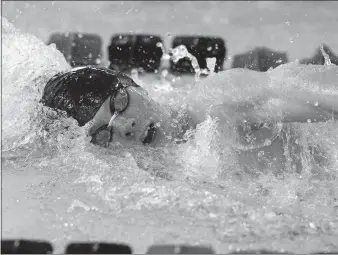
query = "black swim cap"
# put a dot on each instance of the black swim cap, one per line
(81, 91)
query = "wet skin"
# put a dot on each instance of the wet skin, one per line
(130, 126)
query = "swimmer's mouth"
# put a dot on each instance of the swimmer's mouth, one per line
(150, 134)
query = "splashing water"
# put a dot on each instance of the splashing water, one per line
(194, 192)
(325, 55)
(27, 64)
(211, 63)
(181, 52)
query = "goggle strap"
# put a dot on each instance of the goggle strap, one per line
(112, 119)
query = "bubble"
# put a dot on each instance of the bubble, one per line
(164, 73)
(267, 142)
(312, 225)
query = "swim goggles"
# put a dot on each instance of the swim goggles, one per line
(118, 103)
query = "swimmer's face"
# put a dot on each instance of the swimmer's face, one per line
(143, 122)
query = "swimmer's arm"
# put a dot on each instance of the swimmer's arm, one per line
(295, 94)
(303, 93)
(295, 111)
(272, 110)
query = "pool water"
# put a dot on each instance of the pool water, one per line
(58, 187)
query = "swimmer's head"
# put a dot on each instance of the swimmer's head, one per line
(119, 110)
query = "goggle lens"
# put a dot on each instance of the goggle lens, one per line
(103, 136)
(121, 100)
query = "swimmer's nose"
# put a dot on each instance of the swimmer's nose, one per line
(125, 127)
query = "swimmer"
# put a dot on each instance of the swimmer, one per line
(113, 100)
(117, 110)
(253, 102)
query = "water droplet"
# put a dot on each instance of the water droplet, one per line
(260, 153)
(291, 40)
(164, 73)
(312, 225)
(267, 142)
(287, 23)
(212, 215)
(316, 104)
